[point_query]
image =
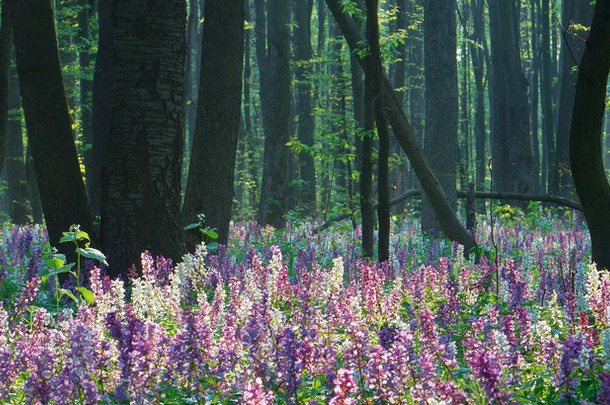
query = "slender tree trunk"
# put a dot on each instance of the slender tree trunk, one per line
(6, 40)
(513, 160)
(575, 15)
(141, 189)
(548, 138)
(585, 136)
(478, 48)
(19, 206)
(84, 59)
(534, 82)
(273, 54)
(383, 185)
(211, 173)
(441, 102)
(47, 118)
(101, 119)
(304, 102)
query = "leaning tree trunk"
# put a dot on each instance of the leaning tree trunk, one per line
(441, 94)
(141, 185)
(50, 137)
(273, 55)
(209, 188)
(585, 136)
(397, 118)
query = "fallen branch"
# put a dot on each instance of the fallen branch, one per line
(553, 199)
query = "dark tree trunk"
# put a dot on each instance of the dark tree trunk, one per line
(273, 54)
(513, 160)
(534, 81)
(141, 188)
(304, 103)
(478, 49)
(546, 90)
(585, 136)
(250, 141)
(6, 40)
(103, 79)
(84, 59)
(575, 14)
(19, 206)
(47, 118)
(383, 186)
(440, 40)
(193, 40)
(371, 92)
(404, 133)
(211, 174)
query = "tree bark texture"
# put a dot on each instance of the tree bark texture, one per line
(50, 137)
(441, 122)
(575, 14)
(478, 53)
(397, 118)
(19, 206)
(101, 104)
(6, 41)
(546, 92)
(585, 136)
(141, 187)
(212, 166)
(304, 101)
(273, 55)
(512, 150)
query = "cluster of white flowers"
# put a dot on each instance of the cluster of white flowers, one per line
(543, 331)
(595, 278)
(111, 301)
(274, 269)
(333, 280)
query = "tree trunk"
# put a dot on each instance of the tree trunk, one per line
(273, 54)
(440, 145)
(383, 186)
(6, 40)
(513, 160)
(101, 116)
(546, 89)
(575, 14)
(48, 121)
(141, 190)
(19, 206)
(304, 102)
(404, 133)
(478, 49)
(84, 59)
(585, 136)
(212, 166)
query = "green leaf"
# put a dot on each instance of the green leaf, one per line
(191, 226)
(55, 262)
(91, 253)
(211, 234)
(87, 295)
(69, 294)
(63, 269)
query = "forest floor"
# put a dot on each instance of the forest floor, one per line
(293, 316)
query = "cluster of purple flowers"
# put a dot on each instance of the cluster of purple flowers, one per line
(294, 322)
